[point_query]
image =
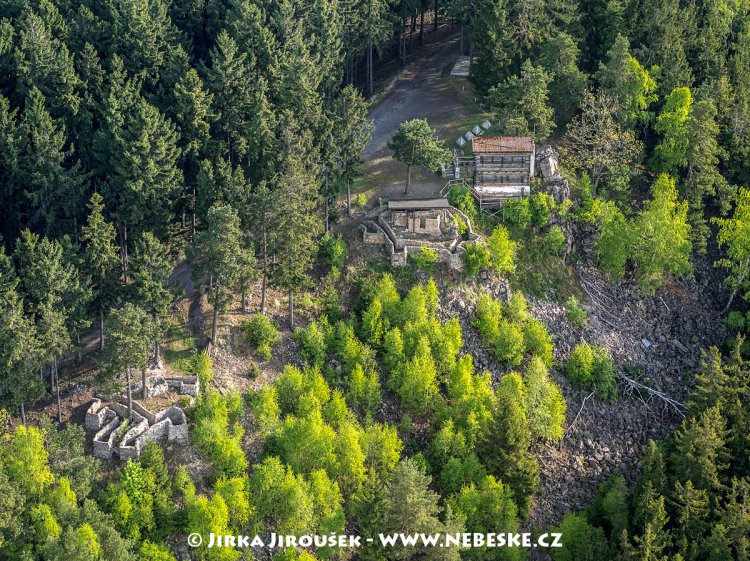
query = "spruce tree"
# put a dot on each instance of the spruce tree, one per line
(505, 451)
(230, 82)
(100, 261)
(351, 132)
(49, 179)
(128, 345)
(294, 226)
(151, 267)
(214, 255)
(20, 350)
(520, 103)
(628, 82)
(52, 290)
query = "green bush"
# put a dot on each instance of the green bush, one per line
(538, 341)
(509, 345)
(202, 368)
(261, 334)
(334, 251)
(264, 352)
(460, 198)
(476, 257)
(213, 437)
(487, 319)
(313, 342)
(554, 241)
(517, 213)
(735, 321)
(580, 366)
(540, 206)
(502, 251)
(425, 259)
(461, 225)
(360, 200)
(590, 367)
(576, 314)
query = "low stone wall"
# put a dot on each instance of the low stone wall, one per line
(159, 385)
(95, 415)
(104, 439)
(186, 385)
(399, 249)
(168, 425)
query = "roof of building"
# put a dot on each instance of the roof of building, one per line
(417, 204)
(502, 144)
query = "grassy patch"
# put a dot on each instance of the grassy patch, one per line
(179, 349)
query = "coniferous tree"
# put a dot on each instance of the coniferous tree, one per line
(294, 225)
(151, 268)
(100, 262)
(145, 177)
(560, 57)
(520, 103)
(52, 289)
(214, 258)
(229, 81)
(704, 181)
(43, 62)
(351, 131)
(51, 187)
(19, 347)
(128, 346)
(625, 80)
(491, 35)
(505, 450)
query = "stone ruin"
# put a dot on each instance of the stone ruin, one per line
(108, 421)
(405, 227)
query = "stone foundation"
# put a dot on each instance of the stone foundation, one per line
(406, 233)
(168, 425)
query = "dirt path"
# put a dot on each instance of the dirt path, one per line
(424, 92)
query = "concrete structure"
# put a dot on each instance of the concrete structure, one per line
(462, 66)
(404, 227)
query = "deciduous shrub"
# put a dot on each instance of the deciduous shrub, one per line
(424, 259)
(541, 205)
(476, 257)
(554, 241)
(261, 334)
(517, 213)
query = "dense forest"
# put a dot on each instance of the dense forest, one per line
(226, 137)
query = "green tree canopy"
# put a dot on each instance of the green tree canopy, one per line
(415, 143)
